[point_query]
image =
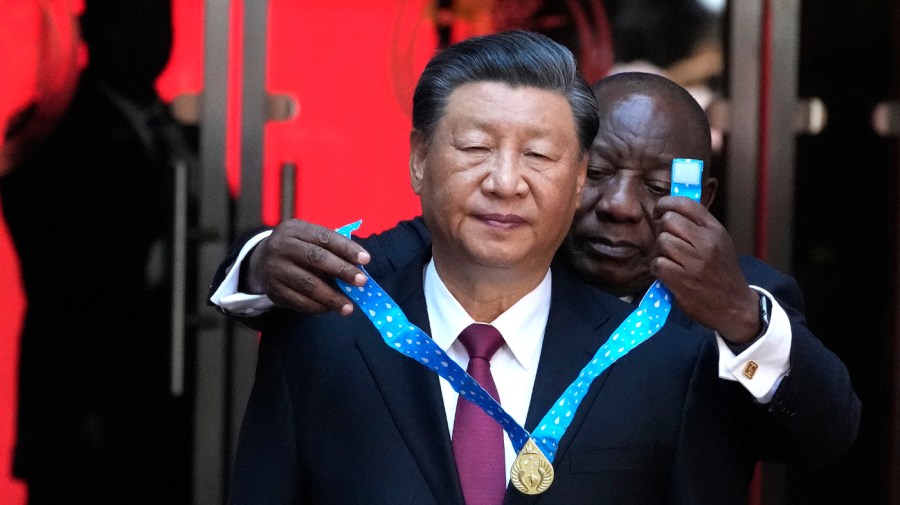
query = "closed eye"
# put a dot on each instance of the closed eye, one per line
(658, 188)
(599, 173)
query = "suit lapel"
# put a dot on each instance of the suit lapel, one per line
(571, 338)
(412, 392)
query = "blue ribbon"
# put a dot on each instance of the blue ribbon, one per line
(640, 325)
(406, 338)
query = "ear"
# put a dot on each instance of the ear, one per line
(418, 152)
(709, 191)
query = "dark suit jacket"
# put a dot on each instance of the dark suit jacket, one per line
(337, 417)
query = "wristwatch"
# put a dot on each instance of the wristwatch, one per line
(765, 312)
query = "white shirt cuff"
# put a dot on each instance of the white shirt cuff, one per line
(227, 296)
(762, 366)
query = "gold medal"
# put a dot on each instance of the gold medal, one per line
(532, 472)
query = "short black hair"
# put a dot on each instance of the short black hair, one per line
(659, 86)
(516, 58)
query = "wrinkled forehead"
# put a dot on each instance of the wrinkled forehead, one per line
(491, 103)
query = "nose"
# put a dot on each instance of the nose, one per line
(504, 179)
(620, 200)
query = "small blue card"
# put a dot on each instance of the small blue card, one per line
(687, 177)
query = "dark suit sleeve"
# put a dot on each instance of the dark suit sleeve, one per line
(712, 439)
(266, 464)
(814, 417)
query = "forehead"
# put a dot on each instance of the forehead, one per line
(495, 104)
(644, 125)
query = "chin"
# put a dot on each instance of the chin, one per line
(508, 259)
(499, 261)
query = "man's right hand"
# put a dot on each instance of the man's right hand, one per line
(291, 267)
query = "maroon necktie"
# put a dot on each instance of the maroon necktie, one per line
(478, 439)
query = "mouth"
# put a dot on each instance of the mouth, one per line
(618, 250)
(501, 221)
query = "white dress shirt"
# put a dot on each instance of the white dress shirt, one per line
(515, 364)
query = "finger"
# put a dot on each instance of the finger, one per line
(307, 256)
(679, 226)
(665, 269)
(288, 257)
(319, 291)
(674, 249)
(329, 240)
(317, 301)
(687, 289)
(694, 211)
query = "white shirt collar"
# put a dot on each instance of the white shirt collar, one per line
(522, 325)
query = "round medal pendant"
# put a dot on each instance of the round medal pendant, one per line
(532, 472)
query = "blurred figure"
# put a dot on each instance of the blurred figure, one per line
(88, 210)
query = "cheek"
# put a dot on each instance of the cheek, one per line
(648, 200)
(590, 197)
(557, 195)
(448, 194)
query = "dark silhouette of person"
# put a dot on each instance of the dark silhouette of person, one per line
(89, 211)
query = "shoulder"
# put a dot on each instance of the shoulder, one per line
(779, 284)
(760, 273)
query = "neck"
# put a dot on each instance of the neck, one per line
(487, 292)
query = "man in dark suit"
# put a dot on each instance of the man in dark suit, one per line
(96, 421)
(660, 426)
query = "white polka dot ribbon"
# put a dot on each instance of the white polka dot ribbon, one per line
(408, 339)
(640, 325)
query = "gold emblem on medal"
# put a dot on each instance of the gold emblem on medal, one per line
(532, 472)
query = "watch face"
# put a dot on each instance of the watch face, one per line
(764, 310)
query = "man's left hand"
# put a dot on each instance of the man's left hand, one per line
(695, 258)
